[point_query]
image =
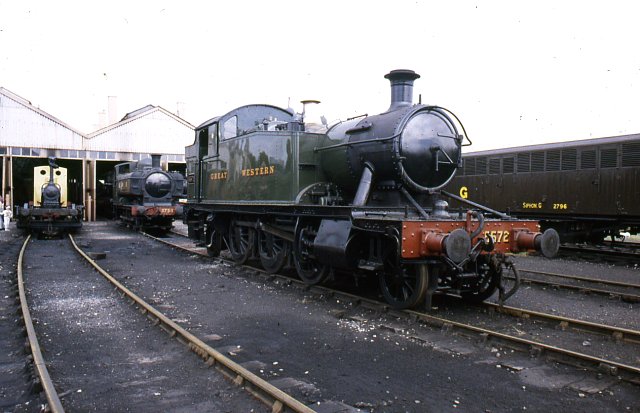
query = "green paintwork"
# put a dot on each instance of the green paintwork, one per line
(259, 166)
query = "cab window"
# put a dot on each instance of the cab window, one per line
(230, 128)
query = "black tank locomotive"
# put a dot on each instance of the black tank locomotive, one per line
(145, 196)
(362, 197)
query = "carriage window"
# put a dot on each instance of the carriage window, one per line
(537, 161)
(230, 128)
(507, 165)
(524, 162)
(481, 166)
(494, 166)
(553, 160)
(569, 159)
(588, 159)
(470, 166)
(631, 154)
(608, 158)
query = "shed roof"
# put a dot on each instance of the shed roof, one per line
(136, 114)
(27, 104)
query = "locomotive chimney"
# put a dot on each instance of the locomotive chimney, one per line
(401, 87)
(155, 160)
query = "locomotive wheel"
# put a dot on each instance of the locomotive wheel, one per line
(273, 251)
(309, 269)
(403, 286)
(241, 240)
(486, 286)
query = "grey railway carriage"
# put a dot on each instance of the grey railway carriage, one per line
(145, 196)
(49, 213)
(361, 197)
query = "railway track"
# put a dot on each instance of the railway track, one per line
(616, 253)
(625, 291)
(626, 371)
(628, 292)
(53, 399)
(563, 323)
(271, 396)
(276, 399)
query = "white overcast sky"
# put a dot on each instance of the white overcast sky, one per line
(514, 72)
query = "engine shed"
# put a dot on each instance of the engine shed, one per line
(29, 135)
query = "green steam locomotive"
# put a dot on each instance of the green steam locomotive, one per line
(361, 197)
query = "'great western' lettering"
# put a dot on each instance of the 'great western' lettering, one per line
(215, 176)
(261, 171)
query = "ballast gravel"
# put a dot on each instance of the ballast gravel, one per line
(295, 339)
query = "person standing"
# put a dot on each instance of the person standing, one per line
(2, 215)
(7, 214)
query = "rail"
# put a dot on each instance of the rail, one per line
(618, 333)
(581, 278)
(627, 372)
(626, 296)
(265, 392)
(51, 394)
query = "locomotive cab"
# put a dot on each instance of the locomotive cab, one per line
(253, 153)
